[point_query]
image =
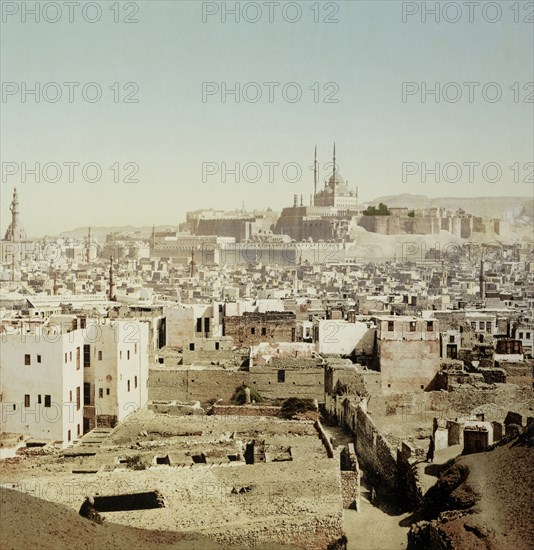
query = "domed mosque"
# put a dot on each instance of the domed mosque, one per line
(336, 192)
(329, 214)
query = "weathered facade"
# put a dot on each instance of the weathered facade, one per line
(252, 328)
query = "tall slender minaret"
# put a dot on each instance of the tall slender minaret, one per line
(55, 288)
(153, 237)
(15, 231)
(88, 255)
(315, 175)
(111, 296)
(334, 175)
(482, 281)
(192, 263)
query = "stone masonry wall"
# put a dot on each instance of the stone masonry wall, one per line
(244, 410)
(384, 469)
(166, 384)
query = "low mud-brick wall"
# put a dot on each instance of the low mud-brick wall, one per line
(390, 471)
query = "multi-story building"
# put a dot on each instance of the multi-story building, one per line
(115, 373)
(42, 381)
(408, 352)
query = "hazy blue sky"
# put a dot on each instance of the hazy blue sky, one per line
(170, 131)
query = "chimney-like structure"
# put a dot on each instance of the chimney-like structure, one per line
(111, 296)
(315, 174)
(88, 257)
(482, 281)
(55, 288)
(192, 263)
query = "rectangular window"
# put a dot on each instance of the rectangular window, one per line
(68, 435)
(78, 398)
(199, 324)
(191, 347)
(77, 358)
(128, 354)
(217, 345)
(78, 429)
(48, 401)
(264, 331)
(26, 400)
(413, 325)
(128, 385)
(135, 349)
(70, 396)
(473, 325)
(252, 330)
(107, 391)
(528, 335)
(27, 359)
(120, 354)
(70, 355)
(38, 358)
(281, 376)
(39, 399)
(66, 357)
(429, 326)
(100, 356)
(451, 339)
(206, 324)
(135, 381)
(86, 393)
(481, 325)
(101, 392)
(391, 326)
(86, 355)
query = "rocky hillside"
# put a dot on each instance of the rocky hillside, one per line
(481, 501)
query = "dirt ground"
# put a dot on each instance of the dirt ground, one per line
(296, 501)
(55, 527)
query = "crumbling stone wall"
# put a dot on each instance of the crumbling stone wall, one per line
(324, 439)
(306, 383)
(350, 478)
(387, 470)
(408, 479)
(166, 384)
(176, 408)
(520, 373)
(244, 410)
(373, 450)
(444, 404)
(251, 329)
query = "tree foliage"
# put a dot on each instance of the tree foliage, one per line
(382, 210)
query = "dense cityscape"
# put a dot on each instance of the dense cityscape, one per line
(149, 362)
(266, 275)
